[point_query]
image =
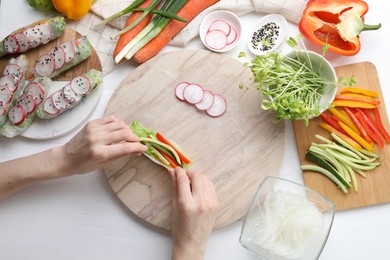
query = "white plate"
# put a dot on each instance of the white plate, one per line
(44, 129)
(274, 22)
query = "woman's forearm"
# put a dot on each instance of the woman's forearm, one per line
(19, 173)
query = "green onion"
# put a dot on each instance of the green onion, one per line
(157, 24)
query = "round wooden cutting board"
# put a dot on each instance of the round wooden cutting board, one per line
(236, 150)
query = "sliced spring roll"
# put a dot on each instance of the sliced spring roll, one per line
(23, 112)
(63, 57)
(33, 35)
(70, 95)
(11, 84)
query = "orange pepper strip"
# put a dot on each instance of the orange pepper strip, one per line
(380, 125)
(369, 127)
(358, 99)
(346, 139)
(360, 91)
(346, 120)
(357, 137)
(352, 103)
(362, 131)
(355, 95)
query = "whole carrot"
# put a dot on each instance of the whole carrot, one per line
(188, 12)
(129, 35)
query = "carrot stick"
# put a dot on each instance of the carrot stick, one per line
(128, 36)
(188, 12)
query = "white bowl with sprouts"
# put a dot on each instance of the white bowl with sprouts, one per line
(287, 220)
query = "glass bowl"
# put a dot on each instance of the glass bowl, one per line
(286, 220)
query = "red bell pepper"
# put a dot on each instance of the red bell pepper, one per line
(336, 23)
(380, 125)
(370, 128)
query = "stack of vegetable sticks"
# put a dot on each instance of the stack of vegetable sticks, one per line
(151, 25)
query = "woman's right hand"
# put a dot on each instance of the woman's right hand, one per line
(194, 209)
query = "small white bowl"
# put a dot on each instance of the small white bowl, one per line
(268, 34)
(220, 31)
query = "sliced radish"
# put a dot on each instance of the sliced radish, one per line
(36, 90)
(207, 101)
(220, 25)
(179, 89)
(3, 109)
(34, 36)
(81, 85)
(193, 93)
(45, 65)
(13, 70)
(5, 95)
(11, 44)
(45, 32)
(59, 56)
(16, 115)
(23, 42)
(10, 82)
(49, 108)
(28, 103)
(69, 49)
(59, 101)
(70, 95)
(232, 36)
(216, 39)
(219, 106)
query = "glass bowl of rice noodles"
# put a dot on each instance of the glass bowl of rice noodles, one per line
(287, 220)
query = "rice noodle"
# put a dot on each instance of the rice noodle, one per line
(286, 223)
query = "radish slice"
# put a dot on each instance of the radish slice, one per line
(16, 115)
(59, 101)
(232, 36)
(45, 32)
(11, 44)
(36, 90)
(10, 82)
(69, 49)
(180, 89)
(59, 56)
(5, 95)
(219, 106)
(207, 101)
(193, 93)
(70, 95)
(3, 109)
(13, 70)
(81, 85)
(45, 65)
(49, 107)
(23, 42)
(27, 102)
(216, 39)
(220, 25)
(33, 35)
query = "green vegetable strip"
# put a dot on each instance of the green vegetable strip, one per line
(127, 10)
(326, 173)
(146, 11)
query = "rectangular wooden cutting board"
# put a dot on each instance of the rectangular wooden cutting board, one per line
(375, 188)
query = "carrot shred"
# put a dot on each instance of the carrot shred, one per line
(182, 156)
(125, 38)
(188, 12)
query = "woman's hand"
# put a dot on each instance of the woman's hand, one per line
(100, 142)
(194, 209)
